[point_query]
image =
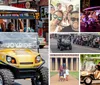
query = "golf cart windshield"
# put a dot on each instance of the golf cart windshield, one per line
(89, 66)
(18, 40)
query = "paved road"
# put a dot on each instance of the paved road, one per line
(71, 81)
(75, 48)
(44, 54)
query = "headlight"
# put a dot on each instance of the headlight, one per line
(10, 59)
(37, 59)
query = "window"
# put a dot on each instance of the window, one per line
(44, 12)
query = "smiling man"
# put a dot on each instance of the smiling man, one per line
(74, 23)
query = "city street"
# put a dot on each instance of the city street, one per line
(75, 48)
(44, 54)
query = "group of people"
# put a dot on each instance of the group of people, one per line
(90, 19)
(64, 20)
(87, 40)
(10, 26)
(63, 73)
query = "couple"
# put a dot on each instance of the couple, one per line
(63, 73)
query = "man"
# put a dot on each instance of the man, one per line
(97, 73)
(74, 23)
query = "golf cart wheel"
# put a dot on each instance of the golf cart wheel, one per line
(42, 78)
(41, 46)
(61, 48)
(70, 47)
(6, 77)
(88, 81)
(58, 46)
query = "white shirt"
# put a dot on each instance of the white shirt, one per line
(67, 72)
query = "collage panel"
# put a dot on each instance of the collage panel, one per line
(90, 16)
(90, 69)
(75, 43)
(64, 69)
(64, 15)
(24, 42)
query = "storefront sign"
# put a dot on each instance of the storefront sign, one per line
(21, 5)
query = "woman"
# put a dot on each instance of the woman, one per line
(61, 74)
(67, 14)
(56, 21)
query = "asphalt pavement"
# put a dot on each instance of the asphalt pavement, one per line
(75, 48)
(44, 54)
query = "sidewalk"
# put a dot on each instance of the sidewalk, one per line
(71, 81)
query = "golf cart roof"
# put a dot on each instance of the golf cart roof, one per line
(10, 10)
(92, 8)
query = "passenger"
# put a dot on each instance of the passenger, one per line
(97, 73)
(12, 29)
(56, 21)
(2, 25)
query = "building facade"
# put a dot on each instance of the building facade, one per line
(71, 61)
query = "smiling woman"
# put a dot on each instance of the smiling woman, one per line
(56, 21)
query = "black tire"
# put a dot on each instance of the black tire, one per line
(70, 47)
(41, 46)
(61, 48)
(58, 46)
(88, 80)
(43, 72)
(7, 76)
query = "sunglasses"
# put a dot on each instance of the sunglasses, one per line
(56, 17)
(74, 19)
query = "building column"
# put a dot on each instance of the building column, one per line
(77, 66)
(56, 64)
(51, 64)
(61, 61)
(67, 62)
(71, 64)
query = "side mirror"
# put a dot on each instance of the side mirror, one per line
(38, 43)
(1, 42)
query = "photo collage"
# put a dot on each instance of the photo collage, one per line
(49, 42)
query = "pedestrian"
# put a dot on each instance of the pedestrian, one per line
(61, 74)
(67, 73)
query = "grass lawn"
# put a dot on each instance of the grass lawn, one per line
(53, 73)
(74, 74)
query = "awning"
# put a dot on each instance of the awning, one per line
(11, 9)
(92, 8)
